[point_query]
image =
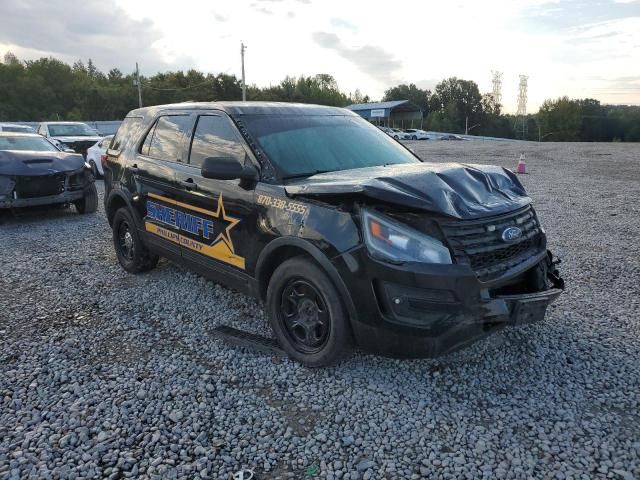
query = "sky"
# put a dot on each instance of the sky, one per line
(579, 48)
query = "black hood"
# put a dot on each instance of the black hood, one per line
(16, 163)
(459, 191)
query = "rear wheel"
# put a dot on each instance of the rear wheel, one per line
(88, 203)
(307, 314)
(132, 254)
(94, 169)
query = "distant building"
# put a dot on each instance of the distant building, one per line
(397, 113)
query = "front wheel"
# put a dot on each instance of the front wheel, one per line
(307, 314)
(132, 254)
(89, 202)
(414, 138)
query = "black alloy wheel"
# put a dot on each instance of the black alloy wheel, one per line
(307, 313)
(132, 253)
(305, 316)
(125, 241)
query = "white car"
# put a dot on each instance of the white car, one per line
(74, 135)
(399, 134)
(16, 128)
(417, 134)
(95, 153)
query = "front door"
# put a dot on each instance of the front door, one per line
(217, 215)
(153, 180)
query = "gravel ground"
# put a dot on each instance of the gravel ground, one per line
(108, 374)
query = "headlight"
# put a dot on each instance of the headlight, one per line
(394, 242)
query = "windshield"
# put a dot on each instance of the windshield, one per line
(17, 128)
(35, 144)
(304, 145)
(72, 130)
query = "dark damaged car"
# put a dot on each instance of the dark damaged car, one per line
(35, 172)
(346, 235)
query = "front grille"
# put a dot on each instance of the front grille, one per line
(478, 243)
(41, 186)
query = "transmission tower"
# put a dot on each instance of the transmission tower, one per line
(521, 114)
(497, 86)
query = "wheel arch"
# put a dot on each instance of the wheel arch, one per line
(115, 201)
(283, 248)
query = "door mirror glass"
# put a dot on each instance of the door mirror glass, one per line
(227, 168)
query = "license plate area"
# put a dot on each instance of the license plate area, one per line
(529, 310)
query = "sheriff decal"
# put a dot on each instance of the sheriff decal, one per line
(197, 229)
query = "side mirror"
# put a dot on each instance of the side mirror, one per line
(227, 168)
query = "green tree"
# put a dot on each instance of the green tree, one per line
(560, 120)
(409, 92)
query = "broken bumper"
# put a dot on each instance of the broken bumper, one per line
(431, 310)
(57, 188)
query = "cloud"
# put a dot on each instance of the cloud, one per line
(370, 59)
(96, 29)
(342, 23)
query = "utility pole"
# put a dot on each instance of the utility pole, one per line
(137, 82)
(243, 47)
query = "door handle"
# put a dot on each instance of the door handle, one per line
(134, 168)
(189, 184)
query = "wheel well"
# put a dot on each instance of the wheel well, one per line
(114, 205)
(275, 259)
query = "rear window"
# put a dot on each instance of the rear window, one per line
(126, 130)
(164, 140)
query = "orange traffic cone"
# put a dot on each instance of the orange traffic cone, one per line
(522, 165)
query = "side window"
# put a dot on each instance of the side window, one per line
(214, 136)
(128, 127)
(168, 133)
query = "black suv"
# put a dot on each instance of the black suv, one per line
(348, 237)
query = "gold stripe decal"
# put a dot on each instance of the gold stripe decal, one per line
(221, 248)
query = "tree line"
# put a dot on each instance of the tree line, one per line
(49, 89)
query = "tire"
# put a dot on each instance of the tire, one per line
(88, 203)
(94, 169)
(414, 138)
(396, 137)
(317, 332)
(132, 254)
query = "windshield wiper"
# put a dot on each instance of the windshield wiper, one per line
(304, 175)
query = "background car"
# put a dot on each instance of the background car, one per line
(75, 135)
(15, 127)
(399, 134)
(451, 137)
(34, 172)
(95, 152)
(416, 134)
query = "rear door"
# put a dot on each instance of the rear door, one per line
(219, 216)
(153, 180)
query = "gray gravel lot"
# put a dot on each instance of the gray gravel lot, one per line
(103, 373)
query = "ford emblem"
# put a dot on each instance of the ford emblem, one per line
(511, 234)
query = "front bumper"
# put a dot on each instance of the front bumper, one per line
(430, 310)
(59, 188)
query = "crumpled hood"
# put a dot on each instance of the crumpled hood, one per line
(14, 162)
(77, 139)
(455, 190)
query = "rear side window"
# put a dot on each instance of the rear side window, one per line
(214, 137)
(125, 131)
(164, 140)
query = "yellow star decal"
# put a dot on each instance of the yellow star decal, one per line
(225, 236)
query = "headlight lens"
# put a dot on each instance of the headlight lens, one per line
(394, 242)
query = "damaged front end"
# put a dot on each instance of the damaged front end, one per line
(26, 181)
